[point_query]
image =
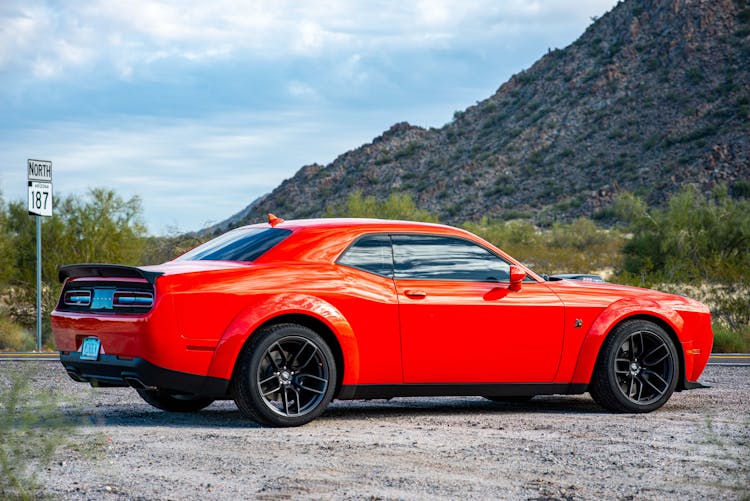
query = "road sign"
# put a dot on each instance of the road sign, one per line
(40, 204)
(40, 187)
(40, 198)
(40, 170)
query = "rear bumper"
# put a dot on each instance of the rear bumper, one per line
(109, 371)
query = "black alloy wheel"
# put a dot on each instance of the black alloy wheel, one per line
(637, 369)
(285, 377)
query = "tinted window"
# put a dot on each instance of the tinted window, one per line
(445, 258)
(243, 244)
(370, 253)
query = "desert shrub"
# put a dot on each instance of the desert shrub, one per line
(727, 340)
(695, 237)
(396, 206)
(13, 337)
(581, 234)
(579, 247)
(32, 428)
(164, 248)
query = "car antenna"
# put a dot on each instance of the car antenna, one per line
(273, 220)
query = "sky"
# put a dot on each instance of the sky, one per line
(200, 107)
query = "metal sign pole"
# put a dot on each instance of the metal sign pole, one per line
(39, 283)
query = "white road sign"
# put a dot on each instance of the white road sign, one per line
(40, 187)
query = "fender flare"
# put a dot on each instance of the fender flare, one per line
(612, 316)
(266, 309)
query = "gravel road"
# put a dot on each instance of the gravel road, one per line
(696, 447)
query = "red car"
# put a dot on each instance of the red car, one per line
(283, 317)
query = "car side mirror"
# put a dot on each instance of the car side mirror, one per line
(517, 276)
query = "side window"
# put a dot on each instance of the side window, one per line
(370, 253)
(432, 257)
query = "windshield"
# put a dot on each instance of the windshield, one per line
(242, 244)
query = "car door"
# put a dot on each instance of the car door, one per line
(367, 299)
(461, 324)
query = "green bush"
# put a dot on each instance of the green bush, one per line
(396, 206)
(13, 337)
(727, 340)
(579, 247)
(695, 238)
(32, 428)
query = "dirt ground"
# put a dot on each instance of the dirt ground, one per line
(696, 447)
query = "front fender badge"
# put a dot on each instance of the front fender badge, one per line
(579, 323)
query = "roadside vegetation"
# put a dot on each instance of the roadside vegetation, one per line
(32, 428)
(697, 245)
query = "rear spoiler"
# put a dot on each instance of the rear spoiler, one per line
(105, 271)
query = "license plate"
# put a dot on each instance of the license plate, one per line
(90, 348)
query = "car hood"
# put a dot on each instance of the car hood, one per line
(570, 290)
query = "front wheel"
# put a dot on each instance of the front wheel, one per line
(174, 402)
(637, 368)
(286, 376)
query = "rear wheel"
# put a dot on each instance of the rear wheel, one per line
(285, 377)
(174, 402)
(637, 368)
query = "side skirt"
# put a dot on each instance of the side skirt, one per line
(371, 391)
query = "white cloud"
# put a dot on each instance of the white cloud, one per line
(86, 82)
(188, 173)
(302, 90)
(51, 39)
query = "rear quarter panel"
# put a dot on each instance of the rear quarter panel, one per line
(222, 312)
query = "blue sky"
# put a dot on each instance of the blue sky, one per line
(200, 107)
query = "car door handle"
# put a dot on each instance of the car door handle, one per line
(415, 294)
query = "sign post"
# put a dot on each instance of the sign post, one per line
(40, 205)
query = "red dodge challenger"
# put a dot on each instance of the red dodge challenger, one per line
(285, 316)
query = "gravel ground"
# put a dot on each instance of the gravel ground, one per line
(695, 447)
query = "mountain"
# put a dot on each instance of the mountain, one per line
(654, 95)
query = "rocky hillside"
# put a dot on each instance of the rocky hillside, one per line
(654, 95)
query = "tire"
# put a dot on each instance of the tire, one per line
(285, 376)
(174, 402)
(637, 368)
(515, 399)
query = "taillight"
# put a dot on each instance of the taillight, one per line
(77, 298)
(132, 299)
(107, 296)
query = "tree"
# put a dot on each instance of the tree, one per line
(7, 249)
(100, 227)
(696, 237)
(396, 206)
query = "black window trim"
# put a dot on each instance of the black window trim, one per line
(455, 237)
(354, 242)
(392, 276)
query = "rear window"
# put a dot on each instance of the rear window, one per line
(242, 244)
(370, 253)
